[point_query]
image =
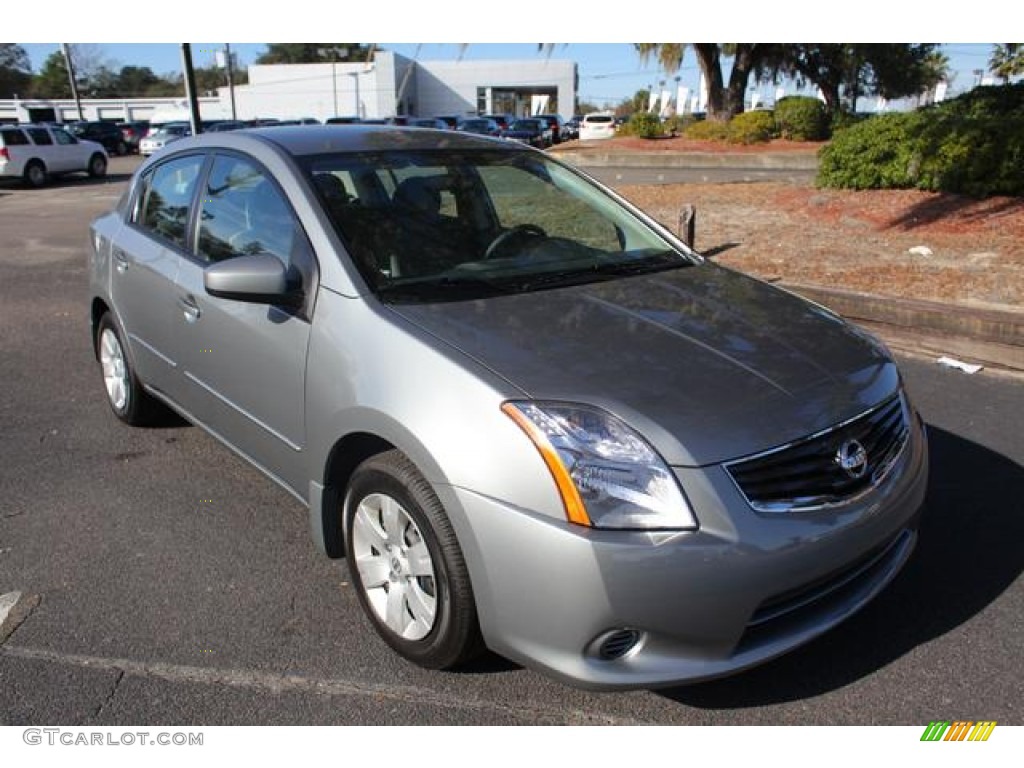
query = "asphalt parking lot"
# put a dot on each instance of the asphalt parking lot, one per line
(164, 581)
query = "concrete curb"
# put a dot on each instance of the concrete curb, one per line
(989, 336)
(589, 158)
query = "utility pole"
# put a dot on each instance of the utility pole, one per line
(190, 89)
(71, 76)
(231, 79)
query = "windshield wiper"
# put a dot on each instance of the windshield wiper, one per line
(439, 288)
(603, 271)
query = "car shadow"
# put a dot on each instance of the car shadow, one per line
(710, 253)
(968, 554)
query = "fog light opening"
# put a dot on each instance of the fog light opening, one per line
(617, 644)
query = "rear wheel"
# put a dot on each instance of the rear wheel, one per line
(121, 149)
(97, 166)
(35, 174)
(406, 564)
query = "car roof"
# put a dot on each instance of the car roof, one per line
(302, 140)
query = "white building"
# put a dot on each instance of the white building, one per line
(394, 85)
(389, 85)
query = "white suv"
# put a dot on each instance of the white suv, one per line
(37, 152)
(597, 125)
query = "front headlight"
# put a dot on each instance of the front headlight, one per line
(607, 475)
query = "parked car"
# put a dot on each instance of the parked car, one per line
(572, 126)
(36, 153)
(480, 126)
(503, 120)
(107, 134)
(597, 125)
(341, 120)
(529, 130)
(528, 416)
(166, 134)
(225, 125)
(428, 122)
(452, 121)
(557, 126)
(133, 133)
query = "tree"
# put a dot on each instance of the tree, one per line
(52, 81)
(725, 99)
(846, 71)
(15, 71)
(1007, 60)
(310, 53)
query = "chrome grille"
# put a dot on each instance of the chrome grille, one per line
(808, 474)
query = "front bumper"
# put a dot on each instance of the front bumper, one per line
(743, 589)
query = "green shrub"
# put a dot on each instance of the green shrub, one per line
(646, 125)
(708, 130)
(801, 118)
(873, 154)
(973, 145)
(752, 127)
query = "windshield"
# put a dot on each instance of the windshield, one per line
(443, 225)
(527, 125)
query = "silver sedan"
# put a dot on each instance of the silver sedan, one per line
(528, 416)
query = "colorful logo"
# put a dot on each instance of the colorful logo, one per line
(960, 730)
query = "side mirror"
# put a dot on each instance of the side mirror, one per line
(261, 279)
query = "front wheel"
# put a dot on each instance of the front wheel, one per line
(406, 564)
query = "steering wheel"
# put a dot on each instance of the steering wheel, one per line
(516, 231)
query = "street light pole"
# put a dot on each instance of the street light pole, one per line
(71, 76)
(190, 89)
(231, 79)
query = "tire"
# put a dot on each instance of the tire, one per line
(35, 174)
(97, 166)
(121, 149)
(406, 564)
(125, 395)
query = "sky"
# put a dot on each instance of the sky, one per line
(609, 68)
(608, 72)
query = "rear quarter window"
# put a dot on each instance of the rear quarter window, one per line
(12, 138)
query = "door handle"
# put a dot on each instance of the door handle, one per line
(189, 308)
(120, 260)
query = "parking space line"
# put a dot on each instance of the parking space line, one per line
(278, 684)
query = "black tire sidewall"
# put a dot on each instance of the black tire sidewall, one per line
(441, 647)
(93, 170)
(33, 182)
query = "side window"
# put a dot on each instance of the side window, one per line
(244, 213)
(40, 136)
(63, 137)
(12, 138)
(165, 207)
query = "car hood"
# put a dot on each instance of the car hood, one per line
(707, 364)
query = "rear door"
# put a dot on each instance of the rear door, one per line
(244, 364)
(74, 156)
(146, 258)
